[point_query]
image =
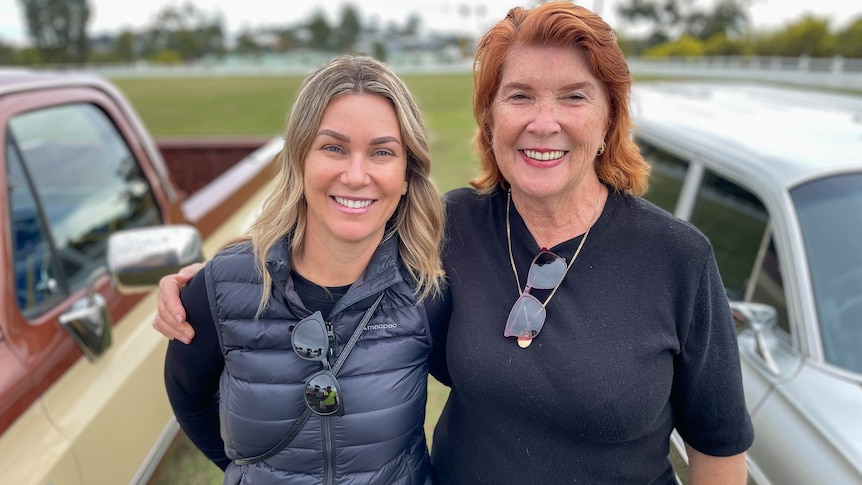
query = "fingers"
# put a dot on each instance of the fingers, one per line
(186, 273)
(168, 331)
(170, 317)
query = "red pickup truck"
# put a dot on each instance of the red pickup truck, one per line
(81, 393)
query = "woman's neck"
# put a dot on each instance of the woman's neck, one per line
(552, 222)
(332, 263)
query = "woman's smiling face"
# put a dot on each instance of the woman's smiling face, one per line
(355, 172)
(550, 116)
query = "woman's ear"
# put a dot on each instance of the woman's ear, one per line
(404, 188)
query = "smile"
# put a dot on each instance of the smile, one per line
(353, 204)
(544, 156)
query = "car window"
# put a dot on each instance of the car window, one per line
(735, 222)
(75, 182)
(828, 211)
(666, 177)
(768, 283)
(737, 225)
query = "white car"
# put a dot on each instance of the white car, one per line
(773, 177)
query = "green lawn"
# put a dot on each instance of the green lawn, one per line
(229, 106)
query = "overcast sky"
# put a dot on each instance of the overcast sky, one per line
(442, 15)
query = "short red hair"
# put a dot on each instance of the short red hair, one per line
(560, 24)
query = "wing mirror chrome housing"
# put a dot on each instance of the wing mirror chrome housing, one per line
(136, 260)
(139, 258)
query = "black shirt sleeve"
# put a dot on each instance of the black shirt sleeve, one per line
(439, 310)
(192, 375)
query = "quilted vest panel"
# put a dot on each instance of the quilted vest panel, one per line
(380, 439)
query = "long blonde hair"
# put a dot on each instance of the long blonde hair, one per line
(418, 219)
(560, 24)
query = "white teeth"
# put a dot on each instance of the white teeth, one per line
(544, 156)
(353, 204)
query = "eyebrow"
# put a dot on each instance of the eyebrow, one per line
(334, 134)
(385, 139)
(376, 141)
(513, 85)
(574, 85)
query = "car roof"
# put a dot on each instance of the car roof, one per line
(777, 135)
(16, 80)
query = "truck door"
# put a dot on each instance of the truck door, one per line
(72, 180)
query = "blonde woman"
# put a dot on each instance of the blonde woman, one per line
(310, 362)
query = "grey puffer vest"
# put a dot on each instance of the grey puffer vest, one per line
(380, 439)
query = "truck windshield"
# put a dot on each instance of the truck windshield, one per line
(829, 212)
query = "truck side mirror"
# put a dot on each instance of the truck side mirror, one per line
(137, 260)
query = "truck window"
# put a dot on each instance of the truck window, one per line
(666, 178)
(75, 182)
(35, 273)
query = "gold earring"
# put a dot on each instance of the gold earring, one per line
(601, 149)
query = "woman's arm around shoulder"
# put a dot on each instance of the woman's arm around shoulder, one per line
(170, 318)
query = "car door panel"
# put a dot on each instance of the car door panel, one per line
(98, 404)
(36, 452)
(789, 448)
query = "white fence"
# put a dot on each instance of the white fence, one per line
(836, 72)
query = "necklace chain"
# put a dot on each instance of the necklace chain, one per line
(574, 257)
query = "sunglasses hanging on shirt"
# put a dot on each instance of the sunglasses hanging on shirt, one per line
(547, 271)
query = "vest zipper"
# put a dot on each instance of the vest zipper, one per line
(328, 451)
(326, 421)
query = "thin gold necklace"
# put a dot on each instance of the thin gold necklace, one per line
(574, 257)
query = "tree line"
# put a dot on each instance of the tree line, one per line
(57, 30)
(683, 28)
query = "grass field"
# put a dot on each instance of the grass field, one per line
(230, 106)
